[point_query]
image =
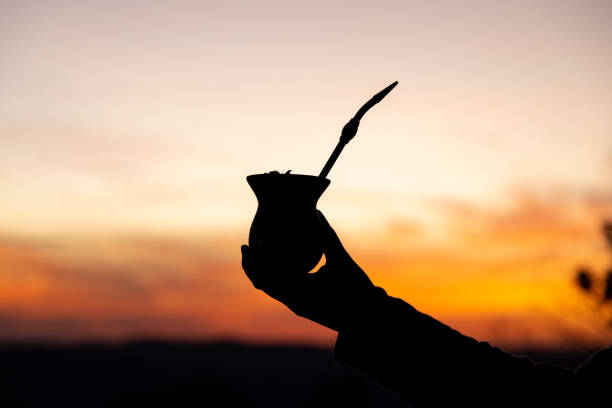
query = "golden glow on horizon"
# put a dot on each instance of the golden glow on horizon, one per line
(482, 277)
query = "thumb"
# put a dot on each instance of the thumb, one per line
(332, 247)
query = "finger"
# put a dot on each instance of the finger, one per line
(321, 273)
(332, 247)
(246, 265)
(245, 256)
(259, 265)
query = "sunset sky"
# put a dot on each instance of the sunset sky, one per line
(473, 191)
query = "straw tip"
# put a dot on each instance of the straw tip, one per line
(385, 91)
(388, 89)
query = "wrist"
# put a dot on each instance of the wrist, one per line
(365, 306)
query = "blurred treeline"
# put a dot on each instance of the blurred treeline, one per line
(597, 285)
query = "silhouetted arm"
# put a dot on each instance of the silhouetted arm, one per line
(430, 364)
(416, 356)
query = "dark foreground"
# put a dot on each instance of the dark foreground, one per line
(156, 374)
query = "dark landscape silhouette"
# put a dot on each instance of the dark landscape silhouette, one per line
(187, 374)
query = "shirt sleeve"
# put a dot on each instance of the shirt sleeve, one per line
(430, 364)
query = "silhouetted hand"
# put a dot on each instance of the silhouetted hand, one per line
(333, 296)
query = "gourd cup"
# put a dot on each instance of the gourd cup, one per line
(287, 220)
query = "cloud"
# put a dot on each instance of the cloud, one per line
(529, 219)
(480, 263)
(83, 284)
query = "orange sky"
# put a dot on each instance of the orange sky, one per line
(473, 191)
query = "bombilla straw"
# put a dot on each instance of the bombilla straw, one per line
(350, 129)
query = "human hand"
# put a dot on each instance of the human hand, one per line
(332, 296)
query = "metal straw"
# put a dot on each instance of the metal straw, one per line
(350, 129)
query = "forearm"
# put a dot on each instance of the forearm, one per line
(431, 364)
